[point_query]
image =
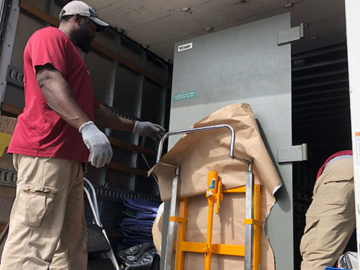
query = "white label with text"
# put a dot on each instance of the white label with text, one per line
(185, 47)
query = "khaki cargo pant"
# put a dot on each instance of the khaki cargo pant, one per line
(47, 223)
(330, 219)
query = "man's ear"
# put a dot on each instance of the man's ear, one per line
(77, 18)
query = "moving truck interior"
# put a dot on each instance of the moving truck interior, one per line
(175, 62)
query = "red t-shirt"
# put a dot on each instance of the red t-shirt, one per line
(40, 132)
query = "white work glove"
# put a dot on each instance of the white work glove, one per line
(98, 144)
(148, 129)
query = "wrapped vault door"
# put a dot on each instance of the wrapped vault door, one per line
(243, 64)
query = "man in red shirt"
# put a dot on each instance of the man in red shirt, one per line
(330, 219)
(54, 136)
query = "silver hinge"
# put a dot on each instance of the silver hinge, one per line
(292, 154)
(292, 34)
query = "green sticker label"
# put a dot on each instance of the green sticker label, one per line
(183, 96)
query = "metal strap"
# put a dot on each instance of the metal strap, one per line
(171, 231)
(249, 215)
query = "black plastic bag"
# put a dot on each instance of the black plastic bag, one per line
(140, 257)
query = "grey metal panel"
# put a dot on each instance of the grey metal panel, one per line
(153, 105)
(9, 28)
(126, 91)
(163, 98)
(14, 95)
(156, 93)
(139, 98)
(156, 67)
(109, 97)
(115, 65)
(126, 95)
(243, 64)
(100, 70)
(26, 27)
(1, 7)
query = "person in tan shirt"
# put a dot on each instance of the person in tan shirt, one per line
(330, 219)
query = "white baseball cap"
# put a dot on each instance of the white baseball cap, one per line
(83, 9)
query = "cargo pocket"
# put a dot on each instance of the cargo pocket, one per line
(35, 201)
(339, 192)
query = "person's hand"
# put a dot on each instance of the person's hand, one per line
(148, 129)
(98, 144)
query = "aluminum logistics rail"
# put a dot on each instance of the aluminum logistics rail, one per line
(249, 205)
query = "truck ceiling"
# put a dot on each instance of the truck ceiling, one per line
(158, 24)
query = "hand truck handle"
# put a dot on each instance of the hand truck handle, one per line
(171, 133)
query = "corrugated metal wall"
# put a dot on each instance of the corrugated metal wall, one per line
(321, 118)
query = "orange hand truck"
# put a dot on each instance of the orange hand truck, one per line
(214, 194)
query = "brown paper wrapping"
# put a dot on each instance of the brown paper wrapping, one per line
(200, 152)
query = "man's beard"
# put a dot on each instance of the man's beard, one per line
(84, 39)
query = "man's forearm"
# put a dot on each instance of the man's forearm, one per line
(106, 118)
